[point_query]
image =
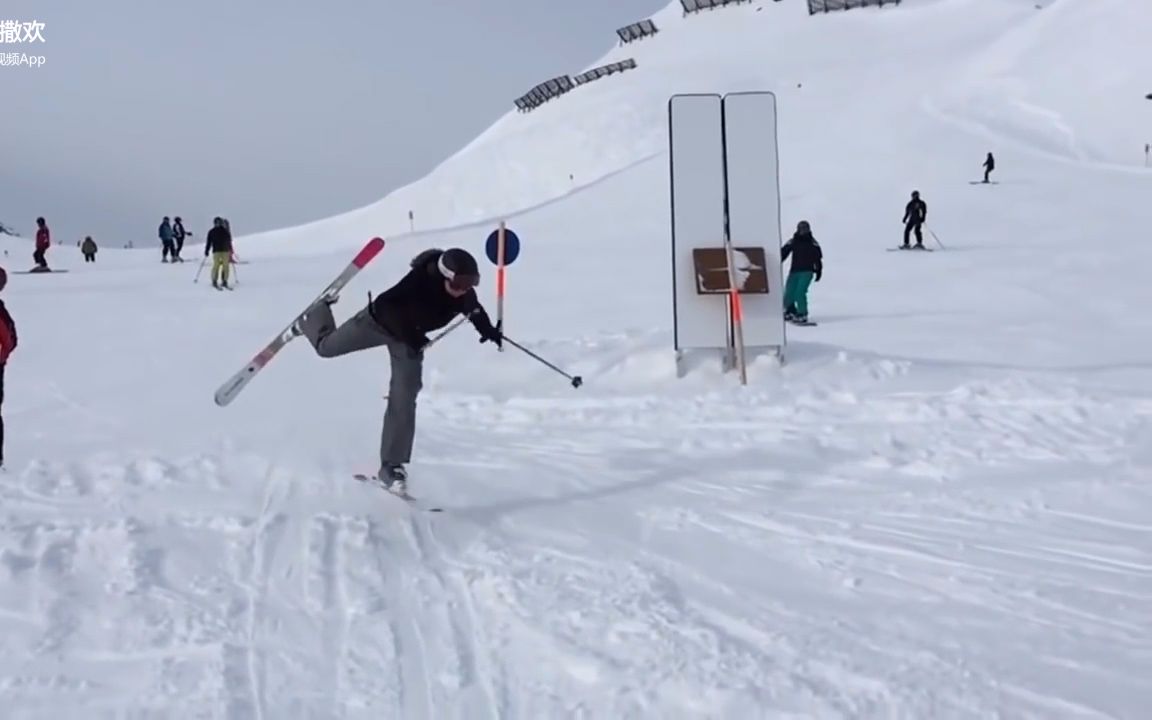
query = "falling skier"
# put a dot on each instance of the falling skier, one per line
(915, 213)
(807, 264)
(438, 286)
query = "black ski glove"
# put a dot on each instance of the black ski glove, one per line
(494, 335)
(818, 275)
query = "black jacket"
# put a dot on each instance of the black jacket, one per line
(806, 254)
(916, 211)
(419, 303)
(219, 240)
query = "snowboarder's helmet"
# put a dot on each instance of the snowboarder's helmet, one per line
(915, 194)
(803, 226)
(3, 278)
(459, 268)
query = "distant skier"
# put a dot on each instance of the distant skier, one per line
(232, 256)
(165, 233)
(989, 166)
(178, 235)
(915, 213)
(807, 264)
(219, 243)
(438, 287)
(43, 242)
(8, 342)
(88, 247)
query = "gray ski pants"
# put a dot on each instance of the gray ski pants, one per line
(361, 332)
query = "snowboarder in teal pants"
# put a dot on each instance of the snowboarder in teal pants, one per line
(807, 265)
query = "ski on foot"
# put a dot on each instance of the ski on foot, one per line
(227, 392)
(374, 480)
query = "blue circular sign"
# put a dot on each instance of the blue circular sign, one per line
(511, 247)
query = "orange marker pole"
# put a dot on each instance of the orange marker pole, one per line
(500, 279)
(737, 314)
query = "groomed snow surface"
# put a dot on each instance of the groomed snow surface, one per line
(939, 507)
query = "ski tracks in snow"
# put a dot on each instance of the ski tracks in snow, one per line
(839, 552)
(821, 552)
(229, 588)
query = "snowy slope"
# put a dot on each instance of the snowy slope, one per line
(1070, 83)
(938, 508)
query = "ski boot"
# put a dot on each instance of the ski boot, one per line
(395, 478)
(298, 326)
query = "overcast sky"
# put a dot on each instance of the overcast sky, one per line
(269, 113)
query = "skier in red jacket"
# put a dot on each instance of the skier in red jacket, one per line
(7, 345)
(43, 242)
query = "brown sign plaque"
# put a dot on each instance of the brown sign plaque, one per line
(711, 266)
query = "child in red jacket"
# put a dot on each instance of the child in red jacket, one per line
(7, 345)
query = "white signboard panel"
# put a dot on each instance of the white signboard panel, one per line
(696, 161)
(724, 173)
(754, 205)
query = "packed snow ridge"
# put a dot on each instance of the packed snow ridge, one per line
(937, 507)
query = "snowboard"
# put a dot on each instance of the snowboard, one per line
(981, 182)
(809, 323)
(227, 392)
(373, 480)
(36, 272)
(911, 249)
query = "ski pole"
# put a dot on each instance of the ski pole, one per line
(235, 273)
(447, 330)
(936, 239)
(575, 380)
(201, 269)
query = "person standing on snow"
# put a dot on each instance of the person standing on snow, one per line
(43, 242)
(989, 166)
(807, 264)
(8, 342)
(915, 213)
(88, 247)
(438, 286)
(219, 243)
(165, 233)
(178, 235)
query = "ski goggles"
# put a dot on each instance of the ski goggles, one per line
(458, 281)
(463, 282)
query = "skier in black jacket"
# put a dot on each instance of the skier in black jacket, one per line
(219, 243)
(439, 286)
(807, 264)
(915, 213)
(989, 166)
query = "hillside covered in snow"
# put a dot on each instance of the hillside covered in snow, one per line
(937, 507)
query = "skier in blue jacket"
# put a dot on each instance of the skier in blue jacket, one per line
(165, 233)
